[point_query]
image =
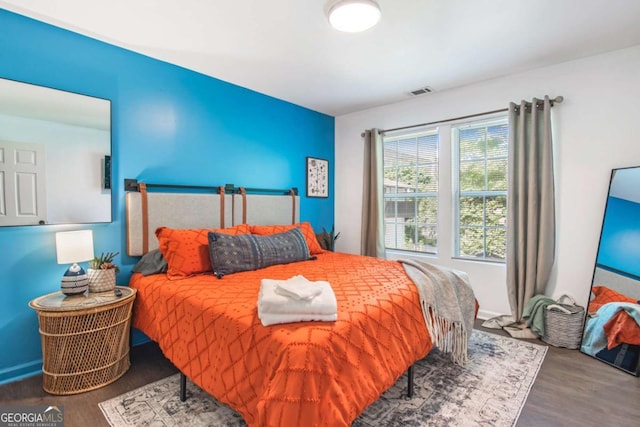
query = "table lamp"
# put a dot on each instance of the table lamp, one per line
(73, 247)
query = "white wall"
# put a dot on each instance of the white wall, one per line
(74, 157)
(596, 128)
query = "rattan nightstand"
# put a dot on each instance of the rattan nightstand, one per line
(85, 339)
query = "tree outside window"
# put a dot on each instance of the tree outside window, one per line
(481, 202)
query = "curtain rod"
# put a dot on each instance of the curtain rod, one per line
(556, 100)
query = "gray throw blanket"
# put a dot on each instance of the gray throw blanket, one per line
(448, 306)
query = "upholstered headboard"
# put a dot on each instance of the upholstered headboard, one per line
(149, 206)
(261, 209)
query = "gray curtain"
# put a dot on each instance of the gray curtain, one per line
(372, 237)
(530, 201)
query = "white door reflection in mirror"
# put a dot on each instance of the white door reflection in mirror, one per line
(22, 187)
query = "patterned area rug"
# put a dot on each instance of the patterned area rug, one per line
(490, 391)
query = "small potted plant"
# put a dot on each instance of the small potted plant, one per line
(327, 239)
(102, 272)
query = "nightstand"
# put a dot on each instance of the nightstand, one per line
(85, 339)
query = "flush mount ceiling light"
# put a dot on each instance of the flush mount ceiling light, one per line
(353, 16)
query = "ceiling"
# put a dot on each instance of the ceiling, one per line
(286, 48)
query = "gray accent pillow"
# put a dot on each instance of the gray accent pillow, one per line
(151, 263)
(243, 252)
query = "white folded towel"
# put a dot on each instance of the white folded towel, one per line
(280, 308)
(299, 288)
(268, 319)
(271, 302)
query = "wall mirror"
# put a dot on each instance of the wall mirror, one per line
(55, 156)
(612, 327)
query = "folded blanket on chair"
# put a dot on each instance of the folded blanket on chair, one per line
(275, 308)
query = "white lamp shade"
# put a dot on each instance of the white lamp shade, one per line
(353, 16)
(74, 246)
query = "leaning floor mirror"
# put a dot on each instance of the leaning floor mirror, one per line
(612, 326)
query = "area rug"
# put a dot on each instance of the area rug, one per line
(490, 391)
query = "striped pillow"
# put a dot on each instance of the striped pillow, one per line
(231, 254)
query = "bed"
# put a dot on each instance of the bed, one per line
(612, 328)
(303, 373)
(620, 326)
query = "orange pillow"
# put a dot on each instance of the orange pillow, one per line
(604, 295)
(187, 250)
(305, 227)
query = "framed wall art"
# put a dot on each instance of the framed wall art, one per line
(317, 177)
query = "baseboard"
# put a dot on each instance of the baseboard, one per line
(20, 372)
(485, 314)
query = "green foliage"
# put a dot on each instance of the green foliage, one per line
(420, 237)
(483, 167)
(410, 179)
(327, 239)
(104, 262)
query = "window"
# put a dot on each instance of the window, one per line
(480, 184)
(445, 189)
(411, 191)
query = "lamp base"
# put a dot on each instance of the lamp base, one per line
(74, 281)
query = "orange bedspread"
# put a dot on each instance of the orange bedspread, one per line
(311, 373)
(621, 328)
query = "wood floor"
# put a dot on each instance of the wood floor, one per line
(571, 389)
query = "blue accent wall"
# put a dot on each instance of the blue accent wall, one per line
(620, 239)
(169, 125)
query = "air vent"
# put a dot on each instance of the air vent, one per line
(421, 91)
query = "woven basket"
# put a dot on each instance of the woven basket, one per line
(85, 349)
(102, 280)
(563, 323)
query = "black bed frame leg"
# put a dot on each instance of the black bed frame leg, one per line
(183, 387)
(410, 382)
